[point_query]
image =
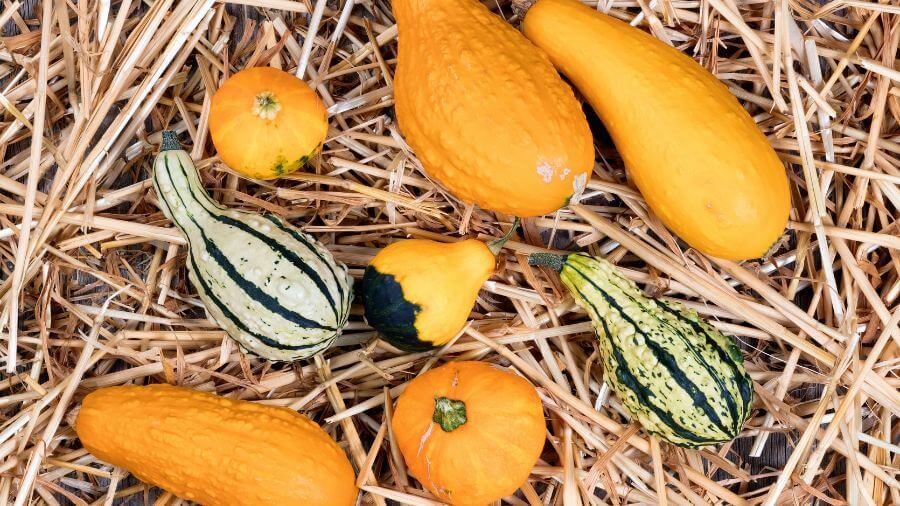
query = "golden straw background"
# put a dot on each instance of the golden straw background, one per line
(95, 294)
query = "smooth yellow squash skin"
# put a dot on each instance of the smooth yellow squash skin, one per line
(443, 279)
(485, 111)
(695, 154)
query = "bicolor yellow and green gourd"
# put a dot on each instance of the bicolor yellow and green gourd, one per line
(682, 379)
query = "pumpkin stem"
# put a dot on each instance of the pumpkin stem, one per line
(265, 105)
(550, 260)
(169, 141)
(496, 245)
(449, 413)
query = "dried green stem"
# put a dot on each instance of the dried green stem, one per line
(169, 141)
(550, 260)
(450, 414)
(496, 245)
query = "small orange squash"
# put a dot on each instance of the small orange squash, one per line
(485, 111)
(697, 157)
(266, 123)
(213, 450)
(470, 432)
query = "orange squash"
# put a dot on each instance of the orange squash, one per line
(697, 157)
(485, 111)
(213, 450)
(266, 123)
(470, 432)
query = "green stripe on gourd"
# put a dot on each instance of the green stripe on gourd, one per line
(271, 287)
(680, 377)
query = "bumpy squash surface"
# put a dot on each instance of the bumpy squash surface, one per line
(418, 293)
(679, 376)
(485, 111)
(266, 123)
(470, 432)
(213, 450)
(695, 154)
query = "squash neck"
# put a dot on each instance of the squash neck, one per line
(449, 414)
(178, 186)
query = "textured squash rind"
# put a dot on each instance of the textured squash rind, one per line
(213, 450)
(680, 377)
(485, 111)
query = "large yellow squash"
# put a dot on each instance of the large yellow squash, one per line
(485, 111)
(695, 154)
(216, 451)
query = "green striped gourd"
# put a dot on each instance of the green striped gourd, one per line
(680, 377)
(271, 287)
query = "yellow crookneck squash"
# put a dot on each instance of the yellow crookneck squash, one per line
(216, 451)
(418, 293)
(266, 123)
(470, 432)
(485, 111)
(697, 157)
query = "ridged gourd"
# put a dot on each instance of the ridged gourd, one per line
(681, 378)
(271, 287)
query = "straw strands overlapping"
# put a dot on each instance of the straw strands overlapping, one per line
(94, 287)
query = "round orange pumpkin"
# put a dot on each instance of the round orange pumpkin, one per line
(470, 432)
(266, 123)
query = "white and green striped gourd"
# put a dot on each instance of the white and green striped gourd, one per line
(271, 287)
(681, 378)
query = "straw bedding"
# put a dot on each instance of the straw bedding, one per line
(95, 293)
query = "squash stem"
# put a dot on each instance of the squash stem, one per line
(450, 414)
(169, 141)
(550, 260)
(496, 245)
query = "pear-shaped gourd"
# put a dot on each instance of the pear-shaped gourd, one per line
(418, 293)
(485, 111)
(697, 157)
(271, 287)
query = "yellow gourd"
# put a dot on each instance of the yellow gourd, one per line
(485, 111)
(697, 157)
(216, 451)
(266, 123)
(418, 293)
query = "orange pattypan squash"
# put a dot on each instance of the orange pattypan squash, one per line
(470, 432)
(266, 123)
